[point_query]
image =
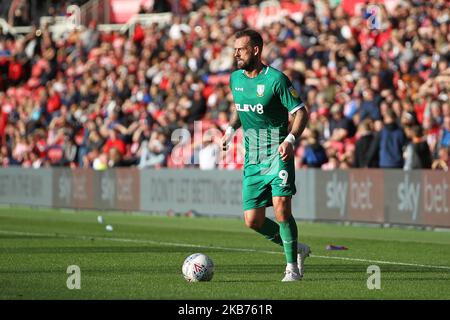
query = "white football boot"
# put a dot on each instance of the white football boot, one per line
(303, 252)
(291, 275)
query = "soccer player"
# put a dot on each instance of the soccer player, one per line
(263, 97)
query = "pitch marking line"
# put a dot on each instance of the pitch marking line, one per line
(187, 245)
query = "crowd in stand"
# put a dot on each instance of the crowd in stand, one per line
(378, 97)
(22, 13)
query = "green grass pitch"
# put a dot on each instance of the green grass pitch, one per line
(142, 258)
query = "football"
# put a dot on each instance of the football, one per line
(198, 267)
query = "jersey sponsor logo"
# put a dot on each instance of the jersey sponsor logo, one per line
(259, 108)
(293, 92)
(260, 90)
(239, 89)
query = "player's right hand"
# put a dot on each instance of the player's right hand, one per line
(226, 139)
(225, 142)
(286, 151)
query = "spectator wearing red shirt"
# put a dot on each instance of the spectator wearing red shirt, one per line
(54, 101)
(15, 72)
(138, 35)
(114, 141)
(3, 122)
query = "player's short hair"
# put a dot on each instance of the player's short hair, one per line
(255, 37)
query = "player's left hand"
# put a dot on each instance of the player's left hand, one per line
(286, 151)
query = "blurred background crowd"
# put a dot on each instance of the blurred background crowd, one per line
(377, 95)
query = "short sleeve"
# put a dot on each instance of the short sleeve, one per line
(289, 97)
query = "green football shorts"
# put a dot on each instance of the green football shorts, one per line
(262, 182)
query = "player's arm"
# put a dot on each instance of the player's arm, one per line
(290, 98)
(286, 148)
(301, 117)
(235, 123)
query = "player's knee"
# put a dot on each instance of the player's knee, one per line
(253, 224)
(282, 204)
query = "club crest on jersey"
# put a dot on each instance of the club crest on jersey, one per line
(260, 90)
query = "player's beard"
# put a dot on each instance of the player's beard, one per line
(248, 65)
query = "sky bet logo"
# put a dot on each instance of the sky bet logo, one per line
(337, 194)
(408, 194)
(259, 108)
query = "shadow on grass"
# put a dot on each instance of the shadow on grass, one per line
(103, 249)
(321, 279)
(357, 268)
(25, 237)
(242, 281)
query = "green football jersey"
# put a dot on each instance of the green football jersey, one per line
(263, 104)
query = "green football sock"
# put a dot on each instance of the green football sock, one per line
(271, 231)
(289, 235)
